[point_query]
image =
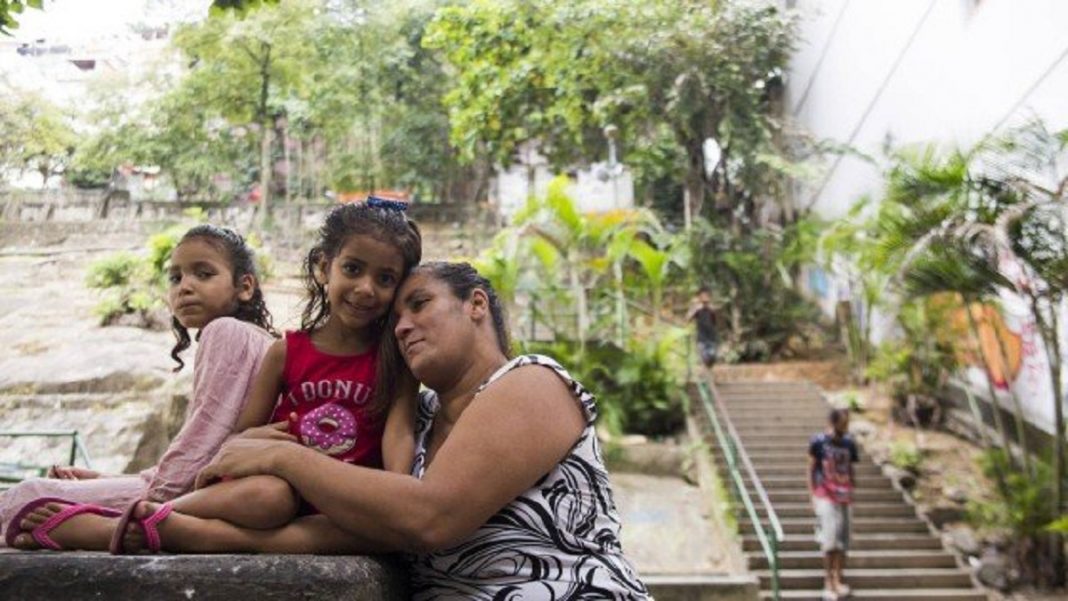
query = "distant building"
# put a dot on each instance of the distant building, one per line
(597, 188)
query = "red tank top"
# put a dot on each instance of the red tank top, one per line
(331, 396)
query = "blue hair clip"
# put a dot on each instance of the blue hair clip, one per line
(385, 203)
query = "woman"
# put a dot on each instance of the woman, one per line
(507, 496)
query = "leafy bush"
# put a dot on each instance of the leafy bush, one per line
(636, 390)
(1023, 505)
(905, 455)
(853, 403)
(132, 284)
(115, 270)
(755, 276)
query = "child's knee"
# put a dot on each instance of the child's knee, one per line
(267, 501)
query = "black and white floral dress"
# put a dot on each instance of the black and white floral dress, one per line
(558, 540)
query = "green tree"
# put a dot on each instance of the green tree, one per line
(245, 66)
(10, 8)
(669, 74)
(35, 134)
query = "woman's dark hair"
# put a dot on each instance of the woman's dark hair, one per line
(388, 225)
(463, 279)
(242, 262)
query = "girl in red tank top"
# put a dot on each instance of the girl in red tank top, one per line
(338, 384)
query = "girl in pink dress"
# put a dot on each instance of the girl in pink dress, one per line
(214, 289)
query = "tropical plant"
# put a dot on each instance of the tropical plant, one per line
(979, 224)
(576, 278)
(906, 455)
(754, 275)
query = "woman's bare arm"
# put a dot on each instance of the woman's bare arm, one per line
(511, 435)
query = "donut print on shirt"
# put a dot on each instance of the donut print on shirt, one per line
(326, 399)
(330, 429)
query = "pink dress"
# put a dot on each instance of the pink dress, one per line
(228, 356)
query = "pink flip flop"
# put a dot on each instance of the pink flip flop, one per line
(40, 533)
(149, 525)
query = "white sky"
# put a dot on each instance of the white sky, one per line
(79, 21)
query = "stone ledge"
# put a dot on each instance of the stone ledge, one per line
(76, 576)
(702, 587)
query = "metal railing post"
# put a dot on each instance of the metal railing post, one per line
(735, 453)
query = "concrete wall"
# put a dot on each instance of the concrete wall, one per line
(909, 71)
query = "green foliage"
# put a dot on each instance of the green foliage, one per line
(131, 283)
(581, 277)
(667, 73)
(1024, 504)
(10, 8)
(35, 134)
(1059, 525)
(118, 269)
(853, 403)
(906, 455)
(753, 276)
(924, 357)
(635, 387)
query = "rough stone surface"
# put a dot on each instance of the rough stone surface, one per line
(648, 458)
(957, 495)
(963, 539)
(77, 576)
(703, 588)
(940, 515)
(904, 478)
(664, 528)
(995, 570)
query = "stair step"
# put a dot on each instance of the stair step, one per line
(860, 510)
(919, 594)
(806, 526)
(764, 470)
(813, 560)
(859, 496)
(857, 542)
(798, 482)
(863, 468)
(768, 407)
(872, 578)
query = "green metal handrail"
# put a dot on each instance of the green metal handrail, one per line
(734, 452)
(77, 447)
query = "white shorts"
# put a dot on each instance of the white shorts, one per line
(832, 525)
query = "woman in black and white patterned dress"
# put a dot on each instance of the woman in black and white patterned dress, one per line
(508, 496)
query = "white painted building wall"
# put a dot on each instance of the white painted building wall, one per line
(868, 72)
(597, 188)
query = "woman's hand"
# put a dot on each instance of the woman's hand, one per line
(64, 472)
(242, 457)
(275, 431)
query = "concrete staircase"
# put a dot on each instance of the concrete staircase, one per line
(894, 554)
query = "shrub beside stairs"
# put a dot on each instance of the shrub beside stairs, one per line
(894, 554)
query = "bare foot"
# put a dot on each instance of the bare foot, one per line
(165, 526)
(85, 531)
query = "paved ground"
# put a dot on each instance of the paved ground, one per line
(665, 530)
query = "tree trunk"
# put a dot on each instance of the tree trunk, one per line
(1050, 331)
(266, 127)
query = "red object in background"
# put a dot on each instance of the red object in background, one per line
(361, 195)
